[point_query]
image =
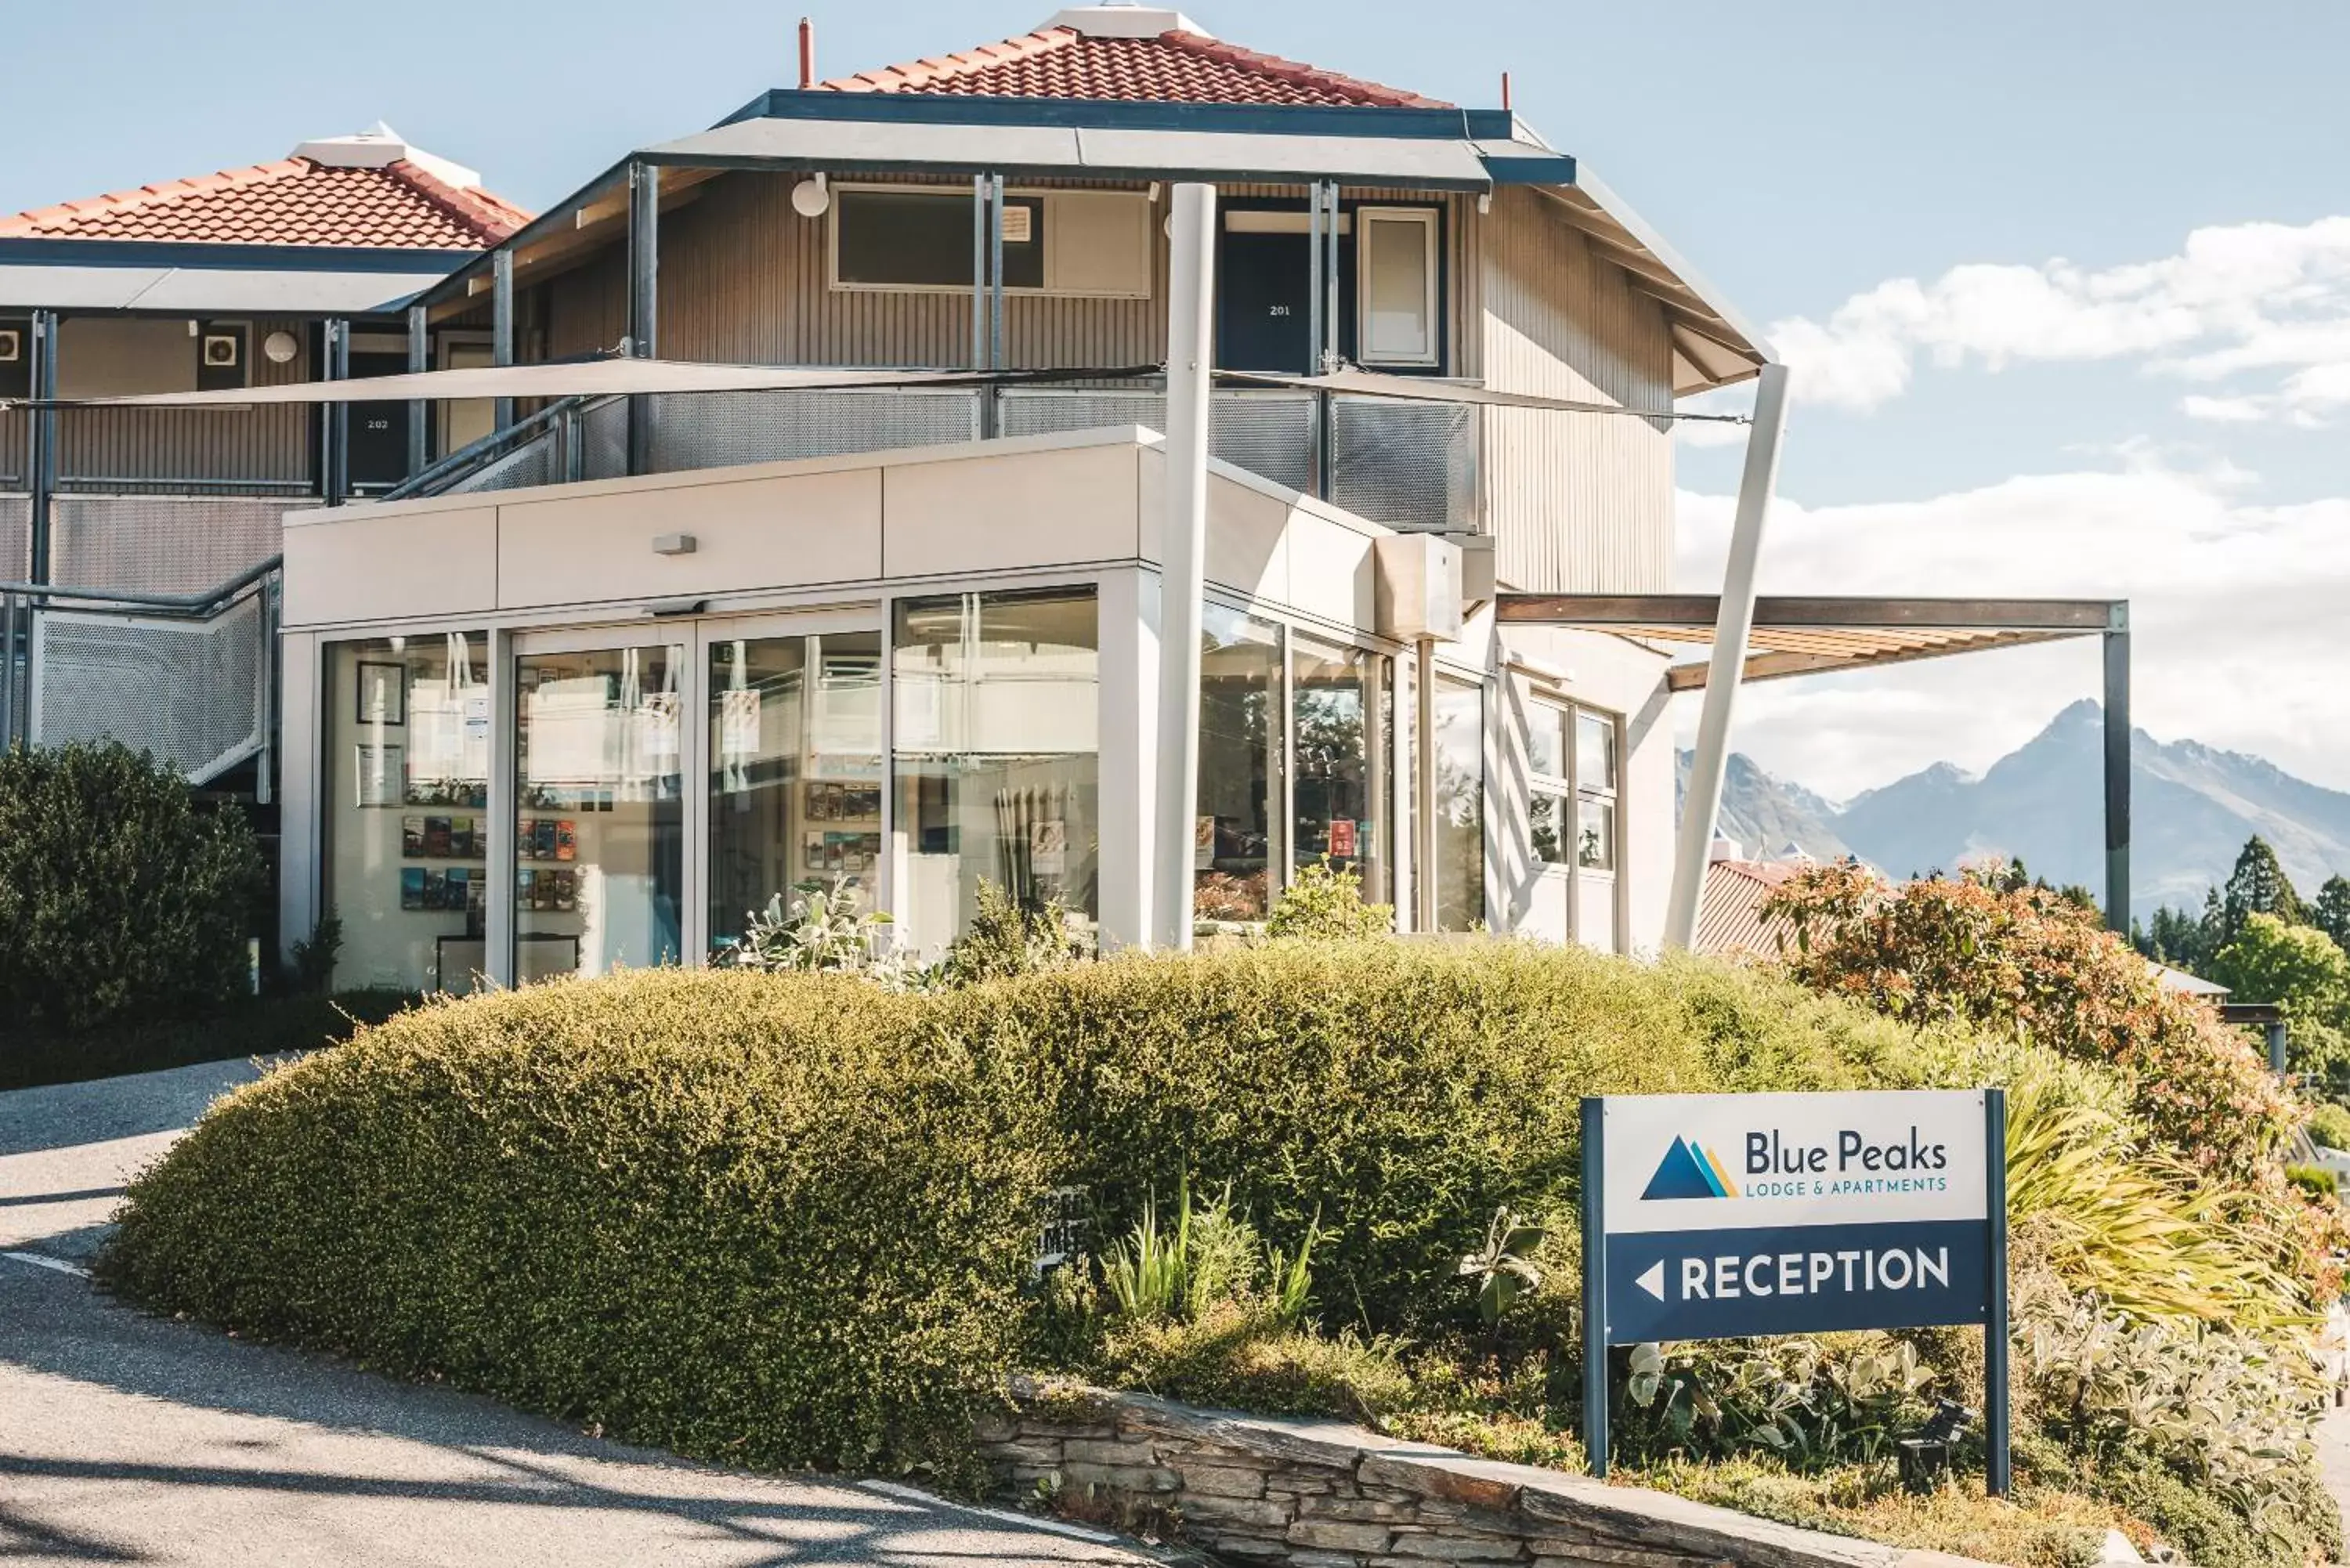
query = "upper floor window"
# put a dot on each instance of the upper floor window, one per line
(918, 239)
(1395, 291)
(1571, 755)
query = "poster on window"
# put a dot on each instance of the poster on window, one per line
(377, 774)
(1203, 844)
(1342, 838)
(1048, 848)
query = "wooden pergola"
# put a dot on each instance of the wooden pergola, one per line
(1816, 636)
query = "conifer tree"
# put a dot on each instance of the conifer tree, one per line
(2258, 886)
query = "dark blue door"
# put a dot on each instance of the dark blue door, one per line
(1265, 300)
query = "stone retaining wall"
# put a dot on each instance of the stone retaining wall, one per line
(1323, 1494)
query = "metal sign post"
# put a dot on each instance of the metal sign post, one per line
(1728, 1216)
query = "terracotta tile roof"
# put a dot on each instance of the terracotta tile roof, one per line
(1730, 913)
(293, 201)
(1173, 67)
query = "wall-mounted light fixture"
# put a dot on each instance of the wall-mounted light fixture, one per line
(811, 197)
(280, 348)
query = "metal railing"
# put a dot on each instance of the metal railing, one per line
(1410, 465)
(191, 677)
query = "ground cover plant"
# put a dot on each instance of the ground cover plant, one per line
(789, 1217)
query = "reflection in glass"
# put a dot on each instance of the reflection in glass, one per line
(1546, 741)
(1595, 835)
(1460, 749)
(996, 713)
(1338, 713)
(1595, 751)
(1546, 816)
(794, 772)
(599, 829)
(1236, 840)
(408, 787)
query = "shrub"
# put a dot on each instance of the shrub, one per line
(1397, 1093)
(1009, 937)
(2329, 1124)
(118, 894)
(1325, 901)
(773, 1221)
(2028, 961)
(1241, 1355)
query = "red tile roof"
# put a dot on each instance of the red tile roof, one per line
(1173, 67)
(1730, 914)
(293, 201)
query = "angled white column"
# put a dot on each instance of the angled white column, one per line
(1183, 556)
(1731, 632)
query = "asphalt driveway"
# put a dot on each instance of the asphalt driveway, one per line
(130, 1439)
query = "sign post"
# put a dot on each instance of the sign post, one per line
(1728, 1216)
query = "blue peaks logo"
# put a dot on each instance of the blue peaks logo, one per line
(1689, 1170)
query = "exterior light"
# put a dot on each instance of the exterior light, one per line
(280, 348)
(810, 198)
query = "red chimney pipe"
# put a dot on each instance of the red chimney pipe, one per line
(1505, 88)
(807, 54)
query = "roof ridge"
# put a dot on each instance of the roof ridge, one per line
(490, 216)
(35, 220)
(1298, 71)
(942, 68)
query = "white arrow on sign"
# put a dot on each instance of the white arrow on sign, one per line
(1653, 1282)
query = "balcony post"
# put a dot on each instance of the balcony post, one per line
(41, 446)
(644, 300)
(502, 329)
(979, 272)
(1190, 365)
(337, 337)
(2117, 707)
(1728, 667)
(419, 360)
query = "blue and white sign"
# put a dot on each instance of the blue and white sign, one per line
(1729, 1215)
(1725, 1216)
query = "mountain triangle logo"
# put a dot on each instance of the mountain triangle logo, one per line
(1690, 1170)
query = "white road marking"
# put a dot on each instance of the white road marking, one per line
(914, 1494)
(42, 1260)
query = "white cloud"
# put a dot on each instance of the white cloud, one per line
(2238, 635)
(2236, 300)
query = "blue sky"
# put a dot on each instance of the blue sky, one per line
(2005, 425)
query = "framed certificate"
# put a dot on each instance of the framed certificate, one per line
(382, 694)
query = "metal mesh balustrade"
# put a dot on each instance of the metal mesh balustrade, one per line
(15, 538)
(719, 430)
(539, 462)
(1407, 464)
(160, 544)
(194, 692)
(603, 437)
(1268, 433)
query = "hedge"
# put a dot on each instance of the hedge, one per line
(790, 1219)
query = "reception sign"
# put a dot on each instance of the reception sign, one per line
(1726, 1216)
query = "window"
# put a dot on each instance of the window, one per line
(408, 792)
(1236, 849)
(1571, 755)
(1396, 290)
(1089, 243)
(1460, 753)
(996, 701)
(1339, 718)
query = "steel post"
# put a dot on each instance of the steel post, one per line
(42, 452)
(644, 300)
(2117, 772)
(420, 412)
(502, 329)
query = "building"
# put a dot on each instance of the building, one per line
(582, 692)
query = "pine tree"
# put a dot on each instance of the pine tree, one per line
(2331, 913)
(2258, 886)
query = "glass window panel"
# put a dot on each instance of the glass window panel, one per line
(794, 772)
(1547, 816)
(1398, 288)
(408, 791)
(1594, 752)
(1594, 834)
(1460, 753)
(997, 719)
(1236, 849)
(1338, 705)
(1546, 741)
(922, 239)
(600, 826)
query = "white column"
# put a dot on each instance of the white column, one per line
(1183, 554)
(1735, 624)
(301, 806)
(1130, 752)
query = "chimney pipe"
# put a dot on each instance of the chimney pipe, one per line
(807, 54)
(1505, 90)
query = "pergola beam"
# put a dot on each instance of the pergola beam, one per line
(1702, 610)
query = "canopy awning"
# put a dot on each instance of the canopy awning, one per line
(1421, 388)
(1817, 635)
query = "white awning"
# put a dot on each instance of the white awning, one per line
(215, 290)
(1421, 388)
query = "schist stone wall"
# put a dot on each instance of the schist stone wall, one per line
(1323, 1494)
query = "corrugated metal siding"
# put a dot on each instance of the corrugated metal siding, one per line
(147, 449)
(1580, 504)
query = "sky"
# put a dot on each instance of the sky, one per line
(2065, 288)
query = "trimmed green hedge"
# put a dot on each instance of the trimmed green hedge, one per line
(790, 1219)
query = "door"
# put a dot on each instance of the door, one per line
(379, 455)
(795, 795)
(1265, 290)
(601, 734)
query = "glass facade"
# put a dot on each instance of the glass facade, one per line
(794, 772)
(599, 829)
(1236, 850)
(1460, 754)
(996, 700)
(1339, 718)
(407, 779)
